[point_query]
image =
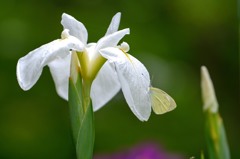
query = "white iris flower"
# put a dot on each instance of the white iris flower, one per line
(106, 66)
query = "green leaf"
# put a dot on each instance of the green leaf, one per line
(216, 137)
(85, 140)
(81, 115)
(75, 97)
(76, 110)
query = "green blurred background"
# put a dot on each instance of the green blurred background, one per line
(172, 38)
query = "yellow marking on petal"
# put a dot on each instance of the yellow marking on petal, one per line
(128, 57)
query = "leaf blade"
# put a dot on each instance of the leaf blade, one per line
(82, 117)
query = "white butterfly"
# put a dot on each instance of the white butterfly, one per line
(161, 101)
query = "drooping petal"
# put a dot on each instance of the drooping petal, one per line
(134, 80)
(113, 27)
(105, 86)
(29, 67)
(60, 70)
(75, 27)
(112, 39)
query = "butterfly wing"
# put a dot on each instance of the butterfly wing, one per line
(161, 101)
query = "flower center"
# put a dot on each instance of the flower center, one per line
(91, 62)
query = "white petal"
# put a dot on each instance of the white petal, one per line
(112, 39)
(113, 27)
(29, 67)
(104, 87)
(208, 93)
(76, 28)
(134, 79)
(60, 70)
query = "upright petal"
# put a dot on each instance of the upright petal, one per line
(61, 77)
(105, 86)
(134, 80)
(29, 67)
(113, 27)
(208, 93)
(76, 28)
(112, 39)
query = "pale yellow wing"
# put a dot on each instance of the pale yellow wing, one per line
(161, 101)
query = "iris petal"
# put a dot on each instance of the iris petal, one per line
(75, 27)
(104, 87)
(29, 67)
(112, 39)
(61, 77)
(113, 27)
(134, 80)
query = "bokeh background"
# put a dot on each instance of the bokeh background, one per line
(172, 38)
